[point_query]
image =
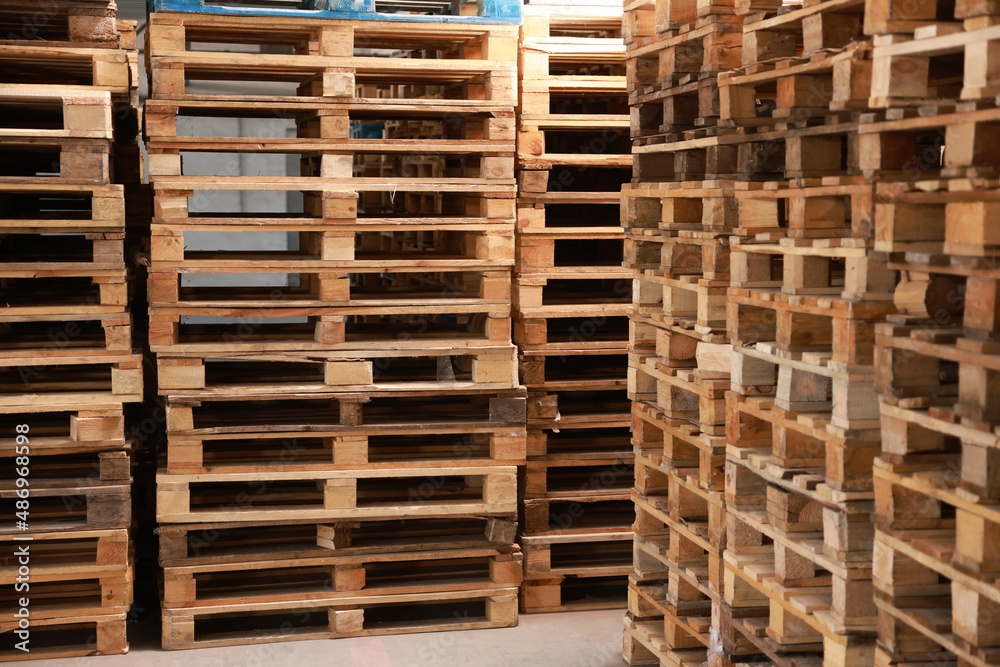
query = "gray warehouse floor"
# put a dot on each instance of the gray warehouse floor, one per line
(579, 639)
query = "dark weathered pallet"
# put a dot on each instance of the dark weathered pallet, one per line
(64, 638)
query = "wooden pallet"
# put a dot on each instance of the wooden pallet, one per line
(888, 17)
(948, 376)
(583, 513)
(72, 68)
(458, 290)
(762, 314)
(586, 555)
(689, 620)
(906, 145)
(607, 331)
(674, 113)
(91, 22)
(57, 429)
(477, 62)
(63, 638)
(582, 407)
(371, 448)
(339, 246)
(75, 254)
(483, 161)
(581, 441)
(66, 378)
(811, 29)
(927, 531)
(479, 11)
(575, 254)
(688, 302)
(639, 23)
(676, 444)
(555, 221)
(560, 295)
(555, 479)
(681, 535)
(32, 112)
(687, 47)
(51, 467)
(697, 159)
(801, 451)
(406, 412)
(73, 505)
(445, 125)
(574, 593)
(925, 59)
(53, 335)
(799, 582)
(55, 160)
(806, 90)
(361, 616)
(332, 495)
(681, 394)
(481, 368)
(671, 208)
(920, 222)
(59, 596)
(222, 544)
(752, 626)
(805, 209)
(69, 556)
(40, 208)
(682, 256)
(645, 644)
(322, 574)
(190, 202)
(84, 291)
(580, 370)
(374, 447)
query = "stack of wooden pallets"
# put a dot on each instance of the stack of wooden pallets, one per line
(344, 417)
(677, 213)
(67, 145)
(932, 148)
(571, 298)
(806, 295)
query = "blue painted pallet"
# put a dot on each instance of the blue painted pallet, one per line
(490, 11)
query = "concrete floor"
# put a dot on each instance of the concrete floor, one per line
(578, 639)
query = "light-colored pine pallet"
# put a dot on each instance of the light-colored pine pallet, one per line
(906, 146)
(478, 60)
(70, 380)
(72, 68)
(930, 52)
(468, 12)
(225, 625)
(54, 113)
(60, 429)
(482, 368)
(276, 495)
(803, 31)
(320, 573)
